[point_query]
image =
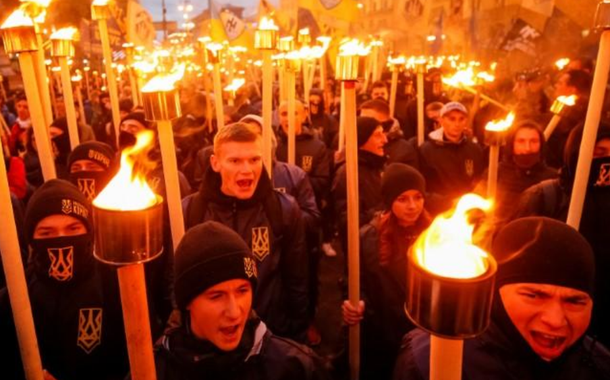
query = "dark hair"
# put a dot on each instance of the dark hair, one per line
(379, 84)
(581, 80)
(376, 105)
(126, 105)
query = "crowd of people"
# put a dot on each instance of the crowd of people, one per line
(238, 297)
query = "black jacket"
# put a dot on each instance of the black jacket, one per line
(397, 149)
(271, 224)
(180, 356)
(451, 169)
(79, 328)
(312, 156)
(492, 356)
(370, 168)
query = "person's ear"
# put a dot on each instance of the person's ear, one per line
(215, 163)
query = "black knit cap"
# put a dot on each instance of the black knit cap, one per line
(98, 152)
(398, 178)
(56, 197)
(544, 251)
(366, 126)
(209, 254)
(139, 117)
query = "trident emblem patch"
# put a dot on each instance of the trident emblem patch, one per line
(306, 163)
(250, 267)
(469, 166)
(89, 329)
(260, 242)
(87, 187)
(62, 263)
(66, 206)
(603, 179)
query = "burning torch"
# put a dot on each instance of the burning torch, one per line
(596, 103)
(347, 71)
(450, 285)
(558, 109)
(100, 11)
(162, 105)
(20, 38)
(62, 49)
(128, 219)
(265, 39)
(495, 136)
(214, 50)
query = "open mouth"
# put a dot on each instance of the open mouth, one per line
(548, 341)
(245, 184)
(230, 332)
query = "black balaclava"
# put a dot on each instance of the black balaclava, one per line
(525, 161)
(127, 139)
(67, 259)
(61, 142)
(90, 183)
(599, 166)
(321, 106)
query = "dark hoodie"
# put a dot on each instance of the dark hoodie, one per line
(271, 224)
(324, 124)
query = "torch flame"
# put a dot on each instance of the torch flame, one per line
(64, 34)
(501, 125)
(17, 19)
(567, 100)
(235, 85)
(164, 82)
(100, 3)
(353, 47)
(446, 248)
(485, 76)
(461, 78)
(126, 192)
(267, 24)
(400, 60)
(562, 62)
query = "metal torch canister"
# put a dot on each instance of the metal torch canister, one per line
(495, 137)
(347, 67)
(602, 16)
(448, 307)
(62, 48)
(265, 39)
(19, 39)
(128, 237)
(161, 105)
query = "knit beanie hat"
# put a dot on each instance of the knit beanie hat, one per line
(139, 117)
(209, 254)
(544, 251)
(366, 126)
(56, 197)
(98, 152)
(398, 178)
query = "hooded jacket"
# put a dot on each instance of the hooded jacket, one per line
(397, 149)
(324, 124)
(260, 355)
(271, 224)
(451, 169)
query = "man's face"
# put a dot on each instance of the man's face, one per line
(380, 93)
(408, 206)
(454, 124)
(314, 104)
(23, 111)
(369, 112)
(562, 88)
(376, 142)
(550, 318)
(240, 165)
(86, 166)
(132, 126)
(299, 116)
(59, 225)
(602, 148)
(527, 140)
(220, 313)
(105, 102)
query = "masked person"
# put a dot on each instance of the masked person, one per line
(102, 121)
(75, 300)
(385, 242)
(551, 198)
(91, 167)
(540, 314)
(522, 166)
(220, 336)
(321, 121)
(235, 193)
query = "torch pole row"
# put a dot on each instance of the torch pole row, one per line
(267, 110)
(42, 81)
(220, 120)
(393, 90)
(420, 107)
(290, 76)
(550, 128)
(66, 83)
(111, 80)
